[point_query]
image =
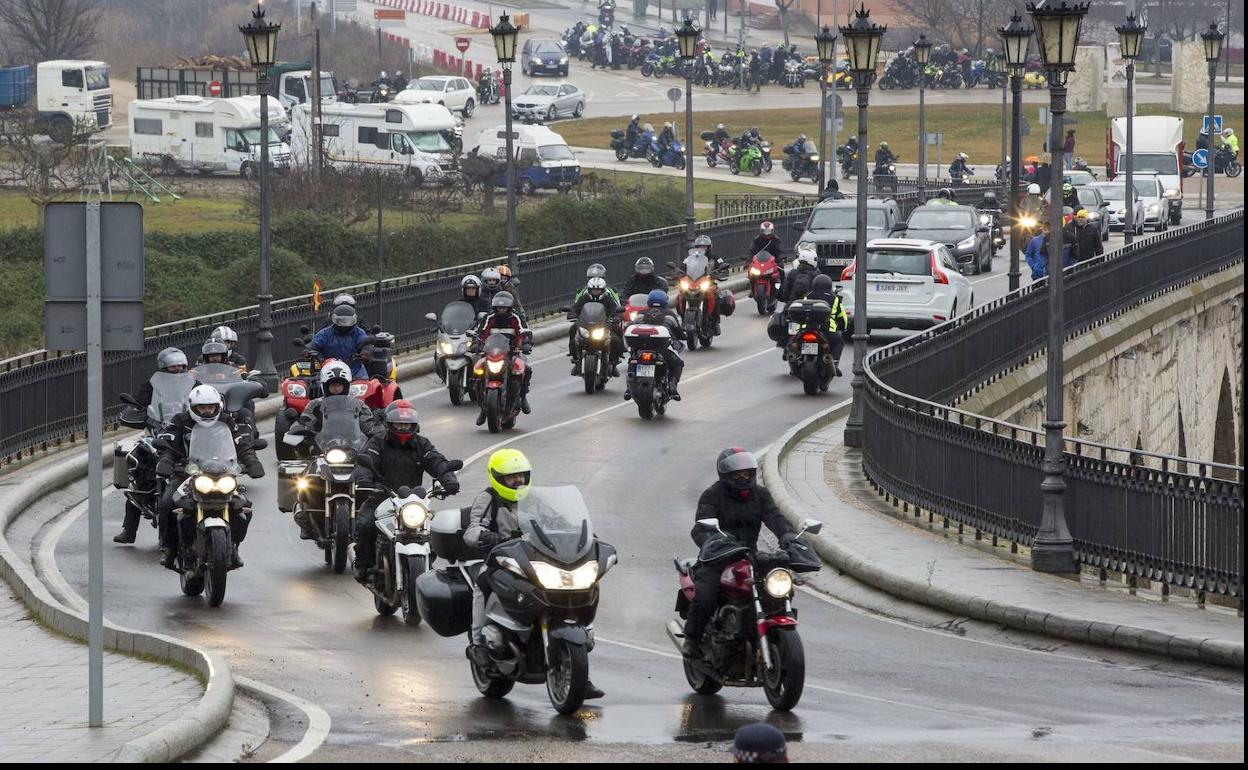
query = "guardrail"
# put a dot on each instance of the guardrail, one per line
(43, 394)
(906, 189)
(1171, 519)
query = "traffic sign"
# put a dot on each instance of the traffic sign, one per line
(1200, 158)
(214, 88)
(1217, 124)
(462, 44)
(674, 94)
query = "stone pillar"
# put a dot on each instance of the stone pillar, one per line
(1115, 82)
(1189, 85)
(1086, 86)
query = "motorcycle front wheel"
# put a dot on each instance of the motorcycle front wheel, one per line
(455, 389)
(589, 372)
(383, 607)
(1233, 169)
(218, 564)
(494, 409)
(342, 535)
(567, 675)
(783, 684)
(760, 296)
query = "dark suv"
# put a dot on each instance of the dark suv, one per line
(832, 230)
(959, 229)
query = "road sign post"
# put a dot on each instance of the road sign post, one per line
(673, 96)
(93, 287)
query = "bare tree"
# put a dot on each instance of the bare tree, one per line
(783, 7)
(931, 15)
(46, 170)
(1175, 19)
(39, 30)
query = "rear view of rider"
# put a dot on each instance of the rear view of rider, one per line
(504, 321)
(342, 339)
(798, 283)
(742, 508)
(822, 289)
(658, 314)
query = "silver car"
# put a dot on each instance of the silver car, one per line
(1091, 200)
(549, 101)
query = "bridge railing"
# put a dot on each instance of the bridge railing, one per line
(905, 189)
(1170, 519)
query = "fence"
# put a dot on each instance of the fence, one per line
(1175, 520)
(43, 394)
(905, 191)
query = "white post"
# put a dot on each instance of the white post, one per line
(95, 472)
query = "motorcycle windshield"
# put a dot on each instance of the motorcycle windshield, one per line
(169, 392)
(593, 313)
(497, 345)
(458, 318)
(555, 522)
(638, 300)
(340, 425)
(808, 148)
(695, 265)
(212, 445)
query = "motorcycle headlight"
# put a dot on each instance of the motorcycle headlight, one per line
(413, 515)
(985, 220)
(1028, 222)
(779, 583)
(337, 456)
(205, 485)
(598, 335)
(1095, 216)
(814, 158)
(1171, 193)
(563, 60)
(554, 579)
(226, 485)
(297, 390)
(704, 284)
(684, 284)
(446, 348)
(966, 244)
(494, 366)
(755, 271)
(358, 389)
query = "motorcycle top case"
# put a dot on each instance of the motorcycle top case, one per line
(811, 312)
(445, 601)
(726, 301)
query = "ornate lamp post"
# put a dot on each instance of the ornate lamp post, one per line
(862, 45)
(505, 35)
(825, 45)
(1130, 35)
(1057, 31)
(687, 36)
(1212, 39)
(1017, 38)
(922, 54)
(261, 38)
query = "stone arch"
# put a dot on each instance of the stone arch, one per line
(1224, 449)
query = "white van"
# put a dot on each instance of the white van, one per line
(409, 137)
(205, 135)
(1157, 150)
(543, 158)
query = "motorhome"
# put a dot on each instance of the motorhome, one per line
(543, 158)
(1157, 149)
(412, 138)
(205, 135)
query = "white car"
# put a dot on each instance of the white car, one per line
(911, 284)
(1114, 193)
(453, 92)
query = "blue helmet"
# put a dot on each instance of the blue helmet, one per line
(657, 298)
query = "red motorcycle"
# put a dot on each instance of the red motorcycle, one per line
(764, 275)
(301, 386)
(381, 387)
(752, 638)
(716, 152)
(500, 375)
(634, 306)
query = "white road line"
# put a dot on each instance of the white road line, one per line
(318, 720)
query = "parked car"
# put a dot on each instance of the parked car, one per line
(1114, 193)
(832, 230)
(912, 283)
(454, 93)
(1091, 200)
(959, 229)
(543, 55)
(547, 102)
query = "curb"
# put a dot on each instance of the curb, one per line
(190, 730)
(1215, 652)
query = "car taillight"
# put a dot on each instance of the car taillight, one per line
(848, 272)
(810, 337)
(938, 275)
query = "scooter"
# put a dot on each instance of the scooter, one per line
(451, 359)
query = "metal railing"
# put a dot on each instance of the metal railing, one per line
(1175, 520)
(906, 188)
(43, 393)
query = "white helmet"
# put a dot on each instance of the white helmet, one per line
(596, 270)
(596, 284)
(1228, 131)
(344, 299)
(1033, 189)
(204, 404)
(334, 370)
(702, 241)
(491, 277)
(963, 156)
(806, 255)
(225, 334)
(767, 228)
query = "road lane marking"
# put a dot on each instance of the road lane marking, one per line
(318, 720)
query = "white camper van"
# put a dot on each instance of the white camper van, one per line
(200, 134)
(400, 137)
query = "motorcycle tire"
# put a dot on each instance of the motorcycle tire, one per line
(784, 683)
(734, 169)
(756, 167)
(643, 396)
(342, 535)
(795, 175)
(567, 675)
(810, 377)
(1233, 169)
(706, 340)
(621, 154)
(455, 390)
(493, 410)
(589, 372)
(490, 685)
(410, 569)
(710, 160)
(647, 70)
(760, 300)
(702, 684)
(217, 565)
(679, 162)
(692, 342)
(388, 577)
(766, 164)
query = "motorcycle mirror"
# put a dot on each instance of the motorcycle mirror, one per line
(376, 329)
(126, 398)
(305, 329)
(403, 491)
(812, 526)
(431, 317)
(709, 523)
(455, 465)
(672, 265)
(297, 342)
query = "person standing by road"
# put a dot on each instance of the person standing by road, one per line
(1068, 150)
(712, 9)
(1087, 237)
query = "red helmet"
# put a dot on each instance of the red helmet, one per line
(401, 420)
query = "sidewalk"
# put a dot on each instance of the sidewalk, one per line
(876, 544)
(43, 694)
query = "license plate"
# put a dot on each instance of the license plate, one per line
(793, 328)
(645, 370)
(810, 348)
(893, 287)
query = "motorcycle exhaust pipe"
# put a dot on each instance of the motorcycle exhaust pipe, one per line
(676, 632)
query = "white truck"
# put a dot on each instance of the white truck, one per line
(1157, 150)
(205, 135)
(412, 138)
(71, 95)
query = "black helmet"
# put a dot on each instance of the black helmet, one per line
(644, 266)
(344, 316)
(822, 283)
(735, 460)
(214, 348)
(503, 300)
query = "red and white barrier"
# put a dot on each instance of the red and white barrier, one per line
(465, 16)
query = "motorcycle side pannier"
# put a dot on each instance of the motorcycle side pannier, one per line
(121, 466)
(617, 133)
(777, 327)
(726, 301)
(446, 536)
(445, 601)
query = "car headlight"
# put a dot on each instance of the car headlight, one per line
(755, 271)
(554, 579)
(297, 390)
(494, 366)
(1028, 222)
(966, 244)
(337, 457)
(205, 484)
(413, 515)
(598, 335)
(1153, 208)
(1172, 193)
(779, 583)
(358, 389)
(563, 60)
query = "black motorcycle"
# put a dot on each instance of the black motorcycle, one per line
(647, 372)
(885, 176)
(592, 345)
(619, 143)
(807, 350)
(802, 161)
(134, 462)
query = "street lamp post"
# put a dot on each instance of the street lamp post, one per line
(261, 38)
(1017, 38)
(1130, 35)
(862, 45)
(825, 46)
(505, 34)
(1057, 32)
(922, 54)
(687, 36)
(1212, 38)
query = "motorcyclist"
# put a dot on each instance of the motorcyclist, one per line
(335, 381)
(596, 291)
(399, 81)
(756, 72)
(667, 136)
(798, 282)
(644, 280)
(397, 457)
(596, 270)
(205, 412)
(491, 283)
(832, 191)
(847, 155)
(1032, 204)
(1230, 141)
(767, 240)
(228, 336)
(470, 292)
(822, 289)
(944, 197)
(795, 149)
(657, 313)
(742, 507)
(510, 284)
(342, 339)
(721, 133)
(1070, 196)
(631, 133)
(503, 320)
(959, 170)
(713, 260)
(213, 352)
(883, 156)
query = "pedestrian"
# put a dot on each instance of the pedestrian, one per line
(1068, 150)
(712, 8)
(1087, 236)
(1044, 173)
(759, 743)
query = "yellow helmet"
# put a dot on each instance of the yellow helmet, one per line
(506, 462)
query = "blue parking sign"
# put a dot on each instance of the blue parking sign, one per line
(1217, 124)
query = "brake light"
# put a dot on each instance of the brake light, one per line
(810, 337)
(938, 275)
(647, 357)
(848, 272)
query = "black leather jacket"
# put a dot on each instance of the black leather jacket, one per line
(740, 518)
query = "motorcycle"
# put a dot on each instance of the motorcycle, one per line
(848, 157)
(1224, 162)
(885, 177)
(619, 143)
(807, 350)
(324, 492)
(978, 74)
(991, 218)
(794, 75)
(752, 638)
(995, 78)
(647, 373)
(802, 161)
(750, 159)
(764, 149)
(501, 379)
(380, 387)
(134, 462)
(959, 179)
(673, 155)
(403, 552)
(764, 275)
(489, 89)
(606, 15)
(716, 152)
(634, 306)
(698, 301)
(452, 360)
(593, 345)
(544, 596)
